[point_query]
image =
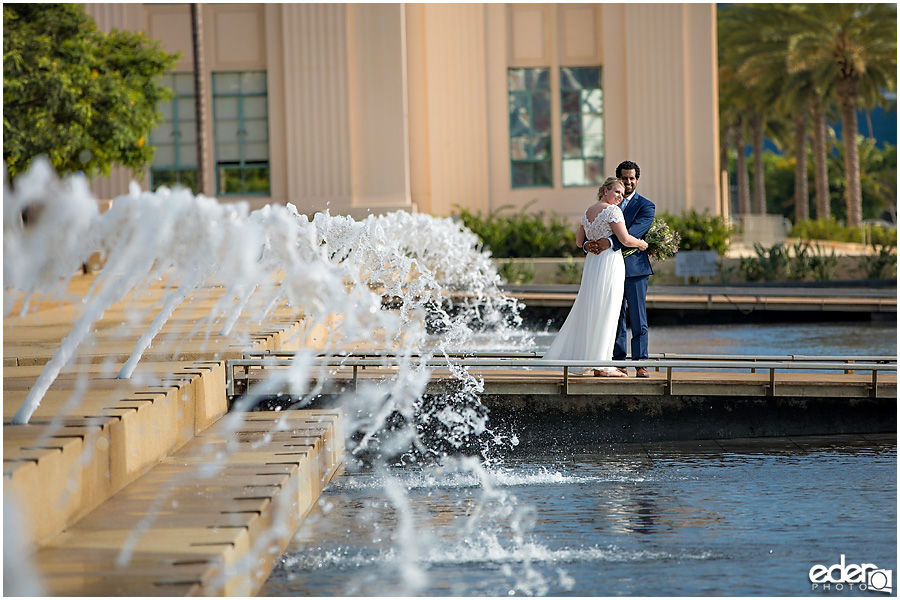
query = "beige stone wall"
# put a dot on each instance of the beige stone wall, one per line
(378, 107)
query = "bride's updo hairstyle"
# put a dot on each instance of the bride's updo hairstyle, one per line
(610, 181)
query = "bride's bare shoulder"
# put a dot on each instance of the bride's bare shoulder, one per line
(594, 210)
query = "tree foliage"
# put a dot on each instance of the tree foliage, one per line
(787, 59)
(86, 99)
(878, 179)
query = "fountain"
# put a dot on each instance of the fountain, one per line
(430, 503)
(385, 278)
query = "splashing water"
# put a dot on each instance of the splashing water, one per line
(335, 270)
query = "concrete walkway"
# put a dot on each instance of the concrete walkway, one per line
(743, 299)
(144, 486)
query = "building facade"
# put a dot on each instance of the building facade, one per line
(370, 108)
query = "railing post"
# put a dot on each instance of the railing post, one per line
(669, 381)
(874, 392)
(772, 381)
(565, 381)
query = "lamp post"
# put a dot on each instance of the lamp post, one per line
(199, 95)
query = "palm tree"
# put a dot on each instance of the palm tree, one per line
(757, 138)
(801, 183)
(731, 110)
(820, 159)
(743, 176)
(755, 45)
(761, 37)
(743, 107)
(851, 49)
(878, 175)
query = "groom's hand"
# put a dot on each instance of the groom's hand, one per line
(597, 246)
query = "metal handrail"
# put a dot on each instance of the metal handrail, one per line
(846, 363)
(512, 362)
(721, 290)
(660, 356)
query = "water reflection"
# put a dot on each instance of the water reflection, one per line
(809, 339)
(719, 518)
(628, 519)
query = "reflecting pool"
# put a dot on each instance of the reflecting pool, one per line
(699, 518)
(731, 518)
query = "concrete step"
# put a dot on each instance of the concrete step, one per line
(76, 451)
(210, 519)
(93, 436)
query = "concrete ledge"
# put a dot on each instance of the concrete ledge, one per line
(92, 433)
(210, 519)
(55, 478)
(539, 420)
(74, 454)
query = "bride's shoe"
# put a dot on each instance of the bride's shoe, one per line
(613, 373)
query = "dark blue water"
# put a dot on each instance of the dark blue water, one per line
(689, 519)
(713, 517)
(778, 339)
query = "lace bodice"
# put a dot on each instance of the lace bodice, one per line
(601, 226)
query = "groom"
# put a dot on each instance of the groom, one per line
(639, 213)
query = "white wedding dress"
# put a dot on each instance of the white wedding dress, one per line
(589, 332)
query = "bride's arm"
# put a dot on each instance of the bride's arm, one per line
(625, 238)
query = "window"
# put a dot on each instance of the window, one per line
(582, 126)
(241, 122)
(530, 127)
(531, 154)
(175, 138)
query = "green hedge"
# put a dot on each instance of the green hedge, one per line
(700, 231)
(833, 230)
(537, 235)
(521, 234)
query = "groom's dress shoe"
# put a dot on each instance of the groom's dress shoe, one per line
(642, 372)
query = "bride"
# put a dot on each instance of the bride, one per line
(590, 329)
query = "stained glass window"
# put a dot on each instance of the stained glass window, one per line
(531, 153)
(582, 126)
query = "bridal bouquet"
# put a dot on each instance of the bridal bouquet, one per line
(662, 242)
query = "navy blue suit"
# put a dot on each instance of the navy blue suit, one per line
(638, 217)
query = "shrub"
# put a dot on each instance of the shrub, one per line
(700, 231)
(882, 265)
(796, 263)
(803, 263)
(819, 229)
(569, 272)
(833, 230)
(516, 272)
(521, 235)
(823, 265)
(769, 264)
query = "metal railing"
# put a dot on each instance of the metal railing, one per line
(530, 361)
